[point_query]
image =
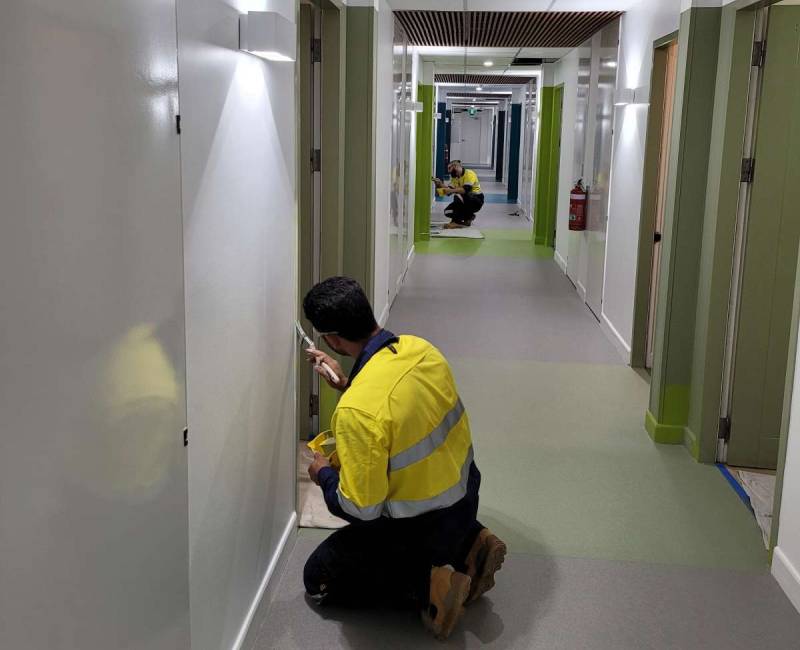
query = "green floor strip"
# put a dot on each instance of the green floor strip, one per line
(497, 243)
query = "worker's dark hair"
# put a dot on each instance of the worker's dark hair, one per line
(339, 305)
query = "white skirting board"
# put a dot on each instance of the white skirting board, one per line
(411, 255)
(581, 290)
(267, 584)
(384, 317)
(614, 336)
(562, 263)
(787, 575)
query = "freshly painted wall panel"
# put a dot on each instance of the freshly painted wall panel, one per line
(238, 159)
(786, 558)
(566, 74)
(641, 25)
(359, 166)
(384, 97)
(412, 161)
(577, 244)
(93, 511)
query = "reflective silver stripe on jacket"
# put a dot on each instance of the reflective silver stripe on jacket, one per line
(429, 443)
(366, 513)
(401, 509)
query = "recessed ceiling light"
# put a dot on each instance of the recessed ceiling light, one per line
(478, 88)
(488, 64)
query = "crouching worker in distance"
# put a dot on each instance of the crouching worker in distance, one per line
(407, 482)
(465, 189)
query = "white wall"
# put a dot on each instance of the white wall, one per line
(240, 217)
(93, 514)
(566, 73)
(487, 118)
(786, 558)
(412, 167)
(642, 24)
(384, 96)
(393, 248)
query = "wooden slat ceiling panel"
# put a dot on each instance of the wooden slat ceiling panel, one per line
(479, 95)
(503, 28)
(482, 79)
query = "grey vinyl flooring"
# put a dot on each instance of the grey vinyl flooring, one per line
(557, 603)
(615, 543)
(500, 308)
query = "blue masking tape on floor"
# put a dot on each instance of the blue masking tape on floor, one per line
(735, 485)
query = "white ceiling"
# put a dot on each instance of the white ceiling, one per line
(451, 60)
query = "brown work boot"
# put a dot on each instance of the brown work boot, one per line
(484, 560)
(449, 591)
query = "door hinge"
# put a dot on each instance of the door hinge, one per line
(178, 124)
(316, 50)
(725, 429)
(759, 54)
(186, 437)
(748, 170)
(316, 160)
(313, 405)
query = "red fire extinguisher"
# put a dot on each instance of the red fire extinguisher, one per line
(577, 207)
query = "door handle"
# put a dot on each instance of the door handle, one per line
(656, 237)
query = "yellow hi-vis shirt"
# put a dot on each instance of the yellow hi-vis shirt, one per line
(468, 178)
(402, 435)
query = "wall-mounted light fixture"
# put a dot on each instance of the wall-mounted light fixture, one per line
(626, 96)
(269, 35)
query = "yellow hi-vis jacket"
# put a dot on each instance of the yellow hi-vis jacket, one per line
(468, 179)
(402, 435)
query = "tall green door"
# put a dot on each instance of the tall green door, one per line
(770, 253)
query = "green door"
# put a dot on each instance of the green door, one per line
(770, 253)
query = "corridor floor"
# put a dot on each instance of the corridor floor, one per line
(614, 542)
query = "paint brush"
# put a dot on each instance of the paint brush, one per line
(302, 336)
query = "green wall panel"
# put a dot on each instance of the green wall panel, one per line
(714, 282)
(422, 198)
(359, 174)
(547, 166)
(770, 255)
(683, 227)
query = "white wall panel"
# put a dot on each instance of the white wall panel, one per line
(641, 26)
(566, 74)
(238, 154)
(384, 89)
(93, 513)
(786, 558)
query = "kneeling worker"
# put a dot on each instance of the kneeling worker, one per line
(466, 190)
(407, 483)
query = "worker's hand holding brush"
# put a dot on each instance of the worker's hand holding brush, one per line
(320, 361)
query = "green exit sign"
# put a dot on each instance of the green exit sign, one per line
(472, 111)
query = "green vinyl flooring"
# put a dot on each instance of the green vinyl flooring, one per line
(498, 242)
(568, 469)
